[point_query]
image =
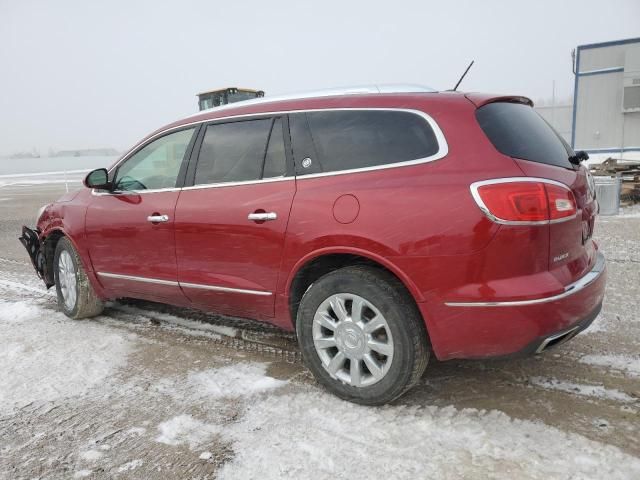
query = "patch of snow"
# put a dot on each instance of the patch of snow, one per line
(629, 365)
(237, 380)
(184, 429)
(91, 455)
(82, 474)
(205, 455)
(44, 356)
(315, 435)
(21, 286)
(132, 465)
(595, 391)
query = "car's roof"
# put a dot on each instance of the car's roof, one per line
(372, 96)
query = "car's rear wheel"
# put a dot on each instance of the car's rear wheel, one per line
(76, 297)
(362, 335)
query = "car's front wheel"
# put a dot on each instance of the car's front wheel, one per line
(362, 335)
(76, 297)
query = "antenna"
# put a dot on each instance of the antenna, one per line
(463, 75)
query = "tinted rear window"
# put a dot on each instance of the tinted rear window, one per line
(346, 140)
(518, 131)
(232, 152)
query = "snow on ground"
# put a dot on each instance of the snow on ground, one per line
(235, 380)
(315, 435)
(626, 364)
(240, 379)
(595, 391)
(45, 356)
(132, 465)
(285, 429)
(184, 429)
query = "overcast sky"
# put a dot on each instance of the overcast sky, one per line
(77, 73)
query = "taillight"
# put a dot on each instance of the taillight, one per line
(524, 200)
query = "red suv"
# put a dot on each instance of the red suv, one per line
(380, 227)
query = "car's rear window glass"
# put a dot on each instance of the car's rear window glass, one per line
(518, 131)
(232, 152)
(346, 140)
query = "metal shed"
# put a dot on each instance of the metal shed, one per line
(606, 106)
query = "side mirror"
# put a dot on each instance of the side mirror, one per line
(98, 178)
(579, 157)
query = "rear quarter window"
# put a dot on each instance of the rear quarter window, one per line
(346, 140)
(518, 131)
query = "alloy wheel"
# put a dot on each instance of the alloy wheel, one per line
(67, 280)
(352, 339)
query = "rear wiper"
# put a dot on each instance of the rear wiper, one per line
(580, 156)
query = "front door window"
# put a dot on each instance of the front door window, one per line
(156, 165)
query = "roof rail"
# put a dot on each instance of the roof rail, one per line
(330, 92)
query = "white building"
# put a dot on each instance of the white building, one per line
(606, 105)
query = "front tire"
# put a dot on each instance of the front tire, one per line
(76, 297)
(362, 336)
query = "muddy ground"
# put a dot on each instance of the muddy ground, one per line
(113, 429)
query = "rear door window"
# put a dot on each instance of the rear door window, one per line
(275, 160)
(518, 131)
(233, 152)
(345, 140)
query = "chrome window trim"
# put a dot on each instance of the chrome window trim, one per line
(476, 197)
(171, 283)
(443, 148)
(236, 184)
(101, 193)
(590, 277)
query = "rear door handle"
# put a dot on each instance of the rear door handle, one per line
(262, 216)
(158, 218)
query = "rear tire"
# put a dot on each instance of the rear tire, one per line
(362, 336)
(76, 297)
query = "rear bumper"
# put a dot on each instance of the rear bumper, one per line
(494, 329)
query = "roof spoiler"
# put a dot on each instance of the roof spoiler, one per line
(480, 99)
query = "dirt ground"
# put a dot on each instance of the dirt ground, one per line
(114, 429)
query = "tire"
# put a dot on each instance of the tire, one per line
(377, 292)
(84, 303)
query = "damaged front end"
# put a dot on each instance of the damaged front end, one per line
(30, 239)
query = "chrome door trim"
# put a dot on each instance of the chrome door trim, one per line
(224, 289)
(443, 147)
(590, 277)
(476, 197)
(138, 279)
(182, 284)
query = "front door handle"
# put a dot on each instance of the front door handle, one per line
(158, 218)
(262, 216)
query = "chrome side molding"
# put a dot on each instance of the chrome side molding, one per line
(571, 289)
(158, 281)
